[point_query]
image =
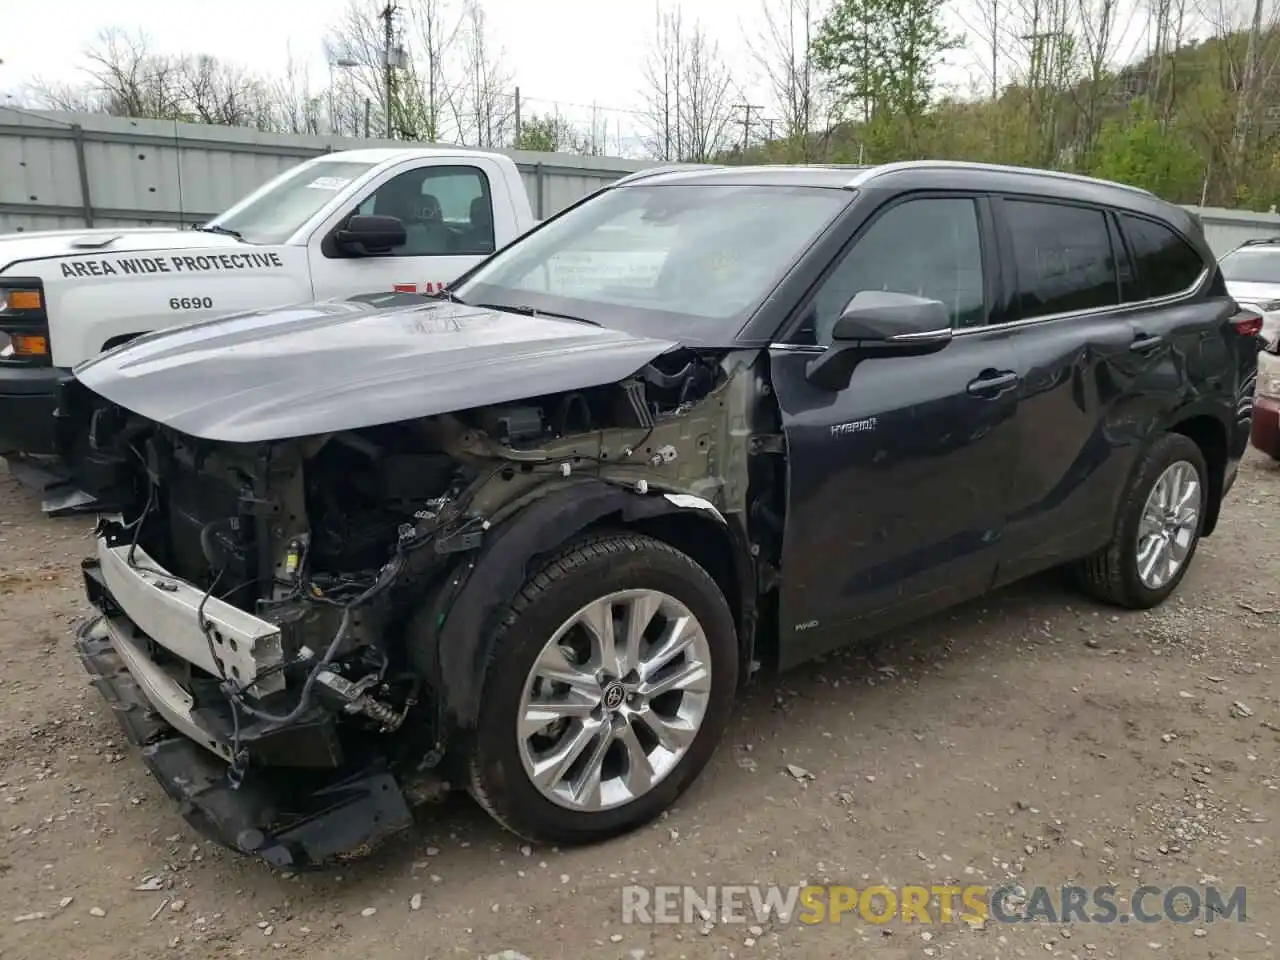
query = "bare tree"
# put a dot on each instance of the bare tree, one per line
(688, 92)
(1043, 61)
(432, 83)
(212, 91)
(355, 47)
(60, 95)
(782, 51)
(706, 98)
(986, 20)
(661, 87)
(488, 108)
(1103, 30)
(1247, 54)
(297, 107)
(1168, 30)
(124, 78)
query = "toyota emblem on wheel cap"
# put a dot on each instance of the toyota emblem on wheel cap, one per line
(613, 696)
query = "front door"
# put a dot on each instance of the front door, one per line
(448, 216)
(898, 483)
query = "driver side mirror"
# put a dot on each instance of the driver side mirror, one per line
(879, 323)
(367, 235)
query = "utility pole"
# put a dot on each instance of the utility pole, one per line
(388, 74)
(519, 129)
(746, 109)
(995, 50)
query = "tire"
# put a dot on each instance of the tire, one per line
(1112, 574)
(581, 574)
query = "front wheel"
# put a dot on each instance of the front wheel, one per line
(608, 687)
(1157, 529)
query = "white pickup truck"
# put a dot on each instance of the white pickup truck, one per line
(344, 224)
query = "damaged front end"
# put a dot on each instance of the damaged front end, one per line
(294, 631)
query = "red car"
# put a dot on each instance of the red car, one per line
(1265, 431)
(1252, 275)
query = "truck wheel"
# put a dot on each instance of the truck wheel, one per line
(608, 686)
(1157, 527)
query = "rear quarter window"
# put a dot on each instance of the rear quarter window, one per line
(1164, 263)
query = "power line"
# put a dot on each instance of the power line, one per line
(582, 106)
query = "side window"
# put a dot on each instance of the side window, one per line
(1165, 263)
(927, 247)
(446, 211)
(1063, 258)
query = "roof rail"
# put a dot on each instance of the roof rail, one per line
(993, 167)
(1256, 241)
(669, 168)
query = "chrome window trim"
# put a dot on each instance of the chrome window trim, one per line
(1164, 301)
(935, 334)
(1167, 300)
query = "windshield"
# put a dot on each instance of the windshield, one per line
(290, 200)
(687, 261)
(1252, 265)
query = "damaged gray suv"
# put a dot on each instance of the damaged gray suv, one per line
(528, 537)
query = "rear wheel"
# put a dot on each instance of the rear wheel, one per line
(609, 685)
(1157, 528)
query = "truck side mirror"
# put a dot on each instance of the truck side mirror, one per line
(367, 235)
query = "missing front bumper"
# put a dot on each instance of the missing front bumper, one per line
(288, 816)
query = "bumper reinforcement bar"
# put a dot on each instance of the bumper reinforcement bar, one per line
(289, 817)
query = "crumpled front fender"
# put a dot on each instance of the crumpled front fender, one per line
(456, 653)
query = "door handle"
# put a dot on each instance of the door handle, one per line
(1144, 344)
(992, 382)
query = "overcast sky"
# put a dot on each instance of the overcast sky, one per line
(563, 52)
(572, 51)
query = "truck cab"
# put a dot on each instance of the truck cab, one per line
(344, 224)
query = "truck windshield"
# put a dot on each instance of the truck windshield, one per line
(288, 201)
(681, 261)
(1260, 264)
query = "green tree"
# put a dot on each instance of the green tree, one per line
(550, 133)
(1138, 149)
(881, 56)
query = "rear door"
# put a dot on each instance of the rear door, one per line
(898, 483)
(1101, 339)
(1074, 349)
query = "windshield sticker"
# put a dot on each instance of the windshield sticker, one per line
(137, 266)
(328, 183)
(588, 270)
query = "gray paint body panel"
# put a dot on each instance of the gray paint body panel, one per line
(342, 365)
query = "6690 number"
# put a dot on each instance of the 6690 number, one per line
(191, 303)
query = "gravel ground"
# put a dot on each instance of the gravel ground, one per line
(1030, 737)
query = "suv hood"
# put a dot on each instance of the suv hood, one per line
(342, 365)
(16, 248)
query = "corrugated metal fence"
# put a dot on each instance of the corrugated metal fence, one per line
(63, 171)
(1227, 229)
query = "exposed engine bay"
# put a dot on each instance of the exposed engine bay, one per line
(354, 545)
